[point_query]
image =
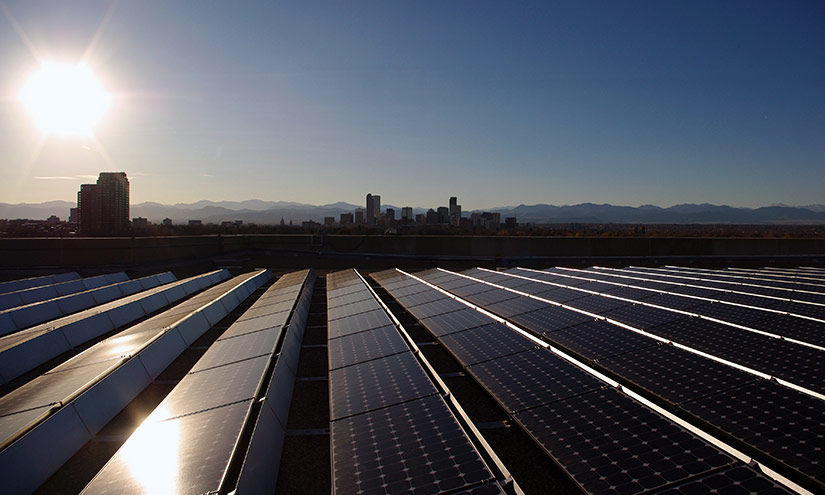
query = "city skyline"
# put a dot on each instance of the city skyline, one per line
(561, 104)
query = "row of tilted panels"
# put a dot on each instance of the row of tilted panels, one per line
(222, 425)
(631, 380)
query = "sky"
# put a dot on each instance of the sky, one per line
(498, 103)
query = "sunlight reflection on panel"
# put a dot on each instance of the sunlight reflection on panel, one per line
(152, 456)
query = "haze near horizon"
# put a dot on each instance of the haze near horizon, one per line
(500, 104)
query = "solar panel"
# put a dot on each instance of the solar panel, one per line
(550, 319)
(597, 339)
(49, 389)
(213, 387)
(415, 288)
(595, 286)
(455, 321)
(269, 309)
(514, 282)
(708, 336)
(416, 446)
(421, 297)
(455, 282)
(348, 299)
(597, 304)
(516, 306)
(611, 444)
(485, 343)
(795, 363)
(695, 291)
(777, 420)
(174, 455)
(561, 294)
(364, 346)
(531, 378)
(491, 297)
(469, 290)
(674, 374)
(674, 301)
(630, 293)
(352, 309)
(732, 314)
(812, 332)
(359, 323)
(643, 317)
(445, 305)
(229, 350)
(533, 288)
(810, 310)
(737, 479)
(749, 300)
(375, 384)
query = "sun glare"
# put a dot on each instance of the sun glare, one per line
(65, 99)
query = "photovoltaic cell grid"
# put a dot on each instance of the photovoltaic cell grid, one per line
(414, 446)
(677, 376)
(800, 365)
(612, 444)
(533, 380)
(391, 431)
(214, 397)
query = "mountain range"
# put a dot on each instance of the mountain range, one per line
(271, 212)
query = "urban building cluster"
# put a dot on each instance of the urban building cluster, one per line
(103, 209)
(442, 215)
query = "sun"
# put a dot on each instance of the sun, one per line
(65, 99)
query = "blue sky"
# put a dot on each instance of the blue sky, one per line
(500, 103)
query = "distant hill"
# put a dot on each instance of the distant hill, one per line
(271, 212)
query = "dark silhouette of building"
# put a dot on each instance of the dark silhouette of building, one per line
(455, 211)
(103, 208)
(373, 209)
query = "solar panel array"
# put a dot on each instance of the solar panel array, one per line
(243, 381)
(391, 430)
(27, 283)
(631, 380)
(24, 350)
(662, 353)
(606, 441)
(20, 317)
(45, 292)
(45, 421)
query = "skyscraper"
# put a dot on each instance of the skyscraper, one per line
(455, 211)
(373, 209)
(104, 207)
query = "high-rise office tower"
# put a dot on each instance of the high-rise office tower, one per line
(104, 207)
(455, 211)
(373, 208)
